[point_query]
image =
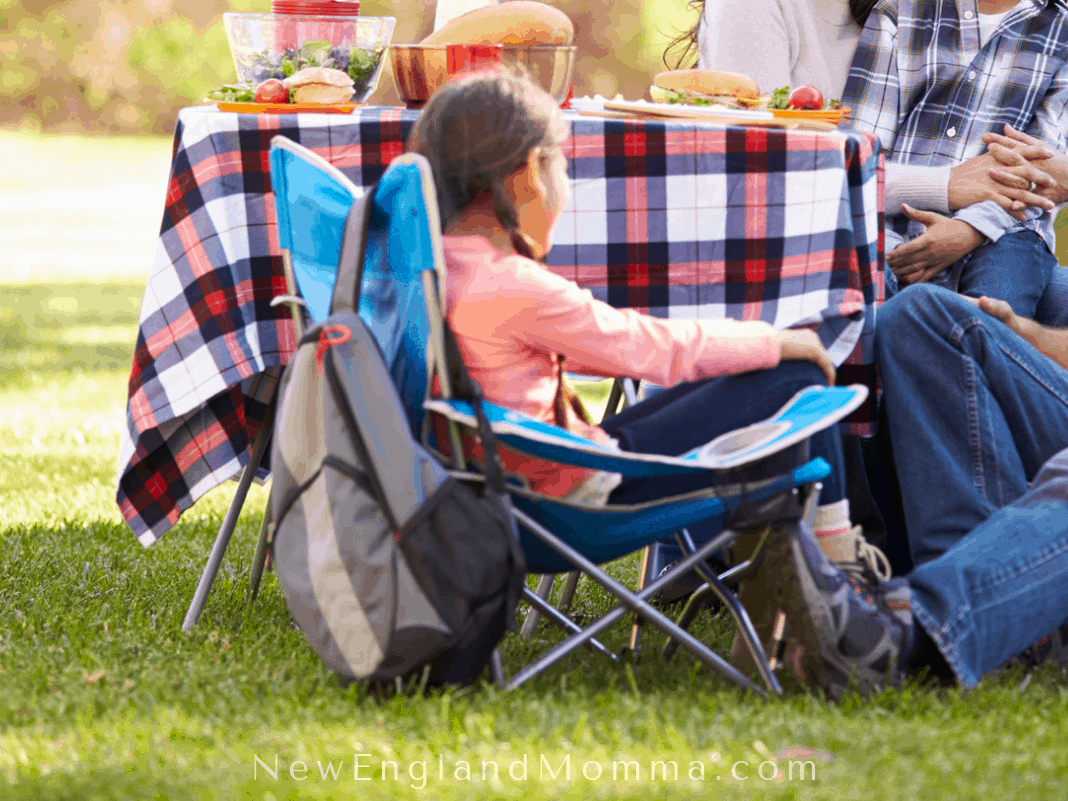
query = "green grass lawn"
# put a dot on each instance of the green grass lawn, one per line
(103, 696)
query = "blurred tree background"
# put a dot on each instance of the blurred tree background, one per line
(127, 66)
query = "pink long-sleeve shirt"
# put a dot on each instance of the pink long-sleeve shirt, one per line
(511, 318)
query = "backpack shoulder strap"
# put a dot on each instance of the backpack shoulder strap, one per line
(346, 295)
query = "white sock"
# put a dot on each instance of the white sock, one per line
(845, 544)
(832, 518)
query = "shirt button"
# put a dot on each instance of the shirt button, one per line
(972, 75)
(968, 15)
(951, 132)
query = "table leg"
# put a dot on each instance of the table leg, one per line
(222, 540)
(260, 557)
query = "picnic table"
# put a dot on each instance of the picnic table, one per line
(678, 219)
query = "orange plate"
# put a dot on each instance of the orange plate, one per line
(835, 115)
(286, 108)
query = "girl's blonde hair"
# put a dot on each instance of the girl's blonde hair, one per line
(475, 131)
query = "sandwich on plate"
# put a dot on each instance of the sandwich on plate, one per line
(709, 88)
(319, 85)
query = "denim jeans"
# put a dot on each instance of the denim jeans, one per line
(1017, 268)
(685, 416)
(1053, 308)
(1002, 587)
(973, 413)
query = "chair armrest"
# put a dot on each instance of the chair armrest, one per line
(809, 411)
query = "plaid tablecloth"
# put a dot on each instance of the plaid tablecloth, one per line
(677, 219)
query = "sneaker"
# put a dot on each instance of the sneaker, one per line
(843, 632)
(855, 556)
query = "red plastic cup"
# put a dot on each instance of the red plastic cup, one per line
(464, 57)
(326, 8)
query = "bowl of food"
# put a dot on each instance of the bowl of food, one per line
(532, 35)
(268, 46)
(419, 69)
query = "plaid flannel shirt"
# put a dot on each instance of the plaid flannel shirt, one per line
(922, 82)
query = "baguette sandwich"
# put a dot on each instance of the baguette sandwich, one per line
(707, 88)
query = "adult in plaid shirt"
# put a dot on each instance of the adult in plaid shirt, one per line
(930, 79)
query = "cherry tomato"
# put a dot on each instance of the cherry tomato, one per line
(272, 91)
(805, 97)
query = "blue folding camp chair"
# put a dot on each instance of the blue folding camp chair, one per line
(402, 300)
(312, 202)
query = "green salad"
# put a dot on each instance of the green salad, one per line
(359, 63)
(233, 94)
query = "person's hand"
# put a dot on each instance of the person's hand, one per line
(1023, 160)
(944, 241)
(802, 345)
(1050, 342)
(980, 178)
(1001, 311)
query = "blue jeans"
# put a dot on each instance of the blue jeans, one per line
(1017, 269)
(1053, 308)
(973, 413)
(1005, 585)
(685, 416)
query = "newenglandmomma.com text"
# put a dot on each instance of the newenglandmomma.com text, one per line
(541, 768)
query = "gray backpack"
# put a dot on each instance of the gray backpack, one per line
(387, 562)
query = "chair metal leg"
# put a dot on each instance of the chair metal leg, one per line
(218, 550)
(614, 397)
(568, 595)
(696, 602)
(562, 620)
(260, 557)
(734, 606)
(749, 634)
(545, 586)
(808, 511)
(497, 668)
(630, 602)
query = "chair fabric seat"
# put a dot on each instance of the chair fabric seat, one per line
(605, 533)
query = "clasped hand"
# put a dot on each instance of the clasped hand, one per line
(1015, 172)
(1027, 169)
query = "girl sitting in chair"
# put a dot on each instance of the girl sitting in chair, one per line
(495, 143)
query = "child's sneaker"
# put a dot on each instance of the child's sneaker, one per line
(839, 630)
(853, 554)
(864, 565)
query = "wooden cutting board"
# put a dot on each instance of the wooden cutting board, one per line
(663, 111)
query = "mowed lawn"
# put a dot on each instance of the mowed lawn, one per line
(103, 696)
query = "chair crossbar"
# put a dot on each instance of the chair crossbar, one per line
(545, 586)
(731, 601)
(630, 602)
(562, 620)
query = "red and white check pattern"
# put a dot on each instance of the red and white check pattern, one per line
(677, 219)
